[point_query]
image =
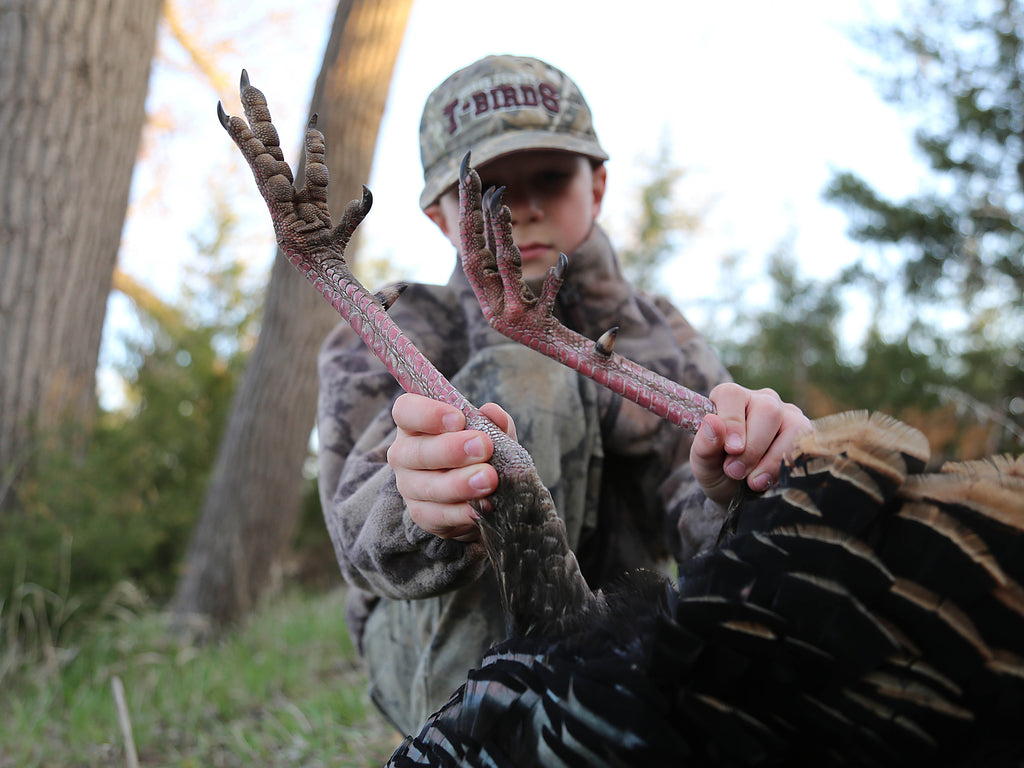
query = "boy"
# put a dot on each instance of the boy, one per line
(397, 473)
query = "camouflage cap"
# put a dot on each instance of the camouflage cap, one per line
(498, 105)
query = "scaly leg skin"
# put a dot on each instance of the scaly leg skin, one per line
(541, 584)
(493, 266)
(302, 224)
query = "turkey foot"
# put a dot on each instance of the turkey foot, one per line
(493, 265)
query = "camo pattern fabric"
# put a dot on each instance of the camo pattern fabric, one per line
(497, 105)
(422, 609)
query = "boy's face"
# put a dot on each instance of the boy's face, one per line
(554, 198)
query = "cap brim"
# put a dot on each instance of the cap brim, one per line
(446, 173)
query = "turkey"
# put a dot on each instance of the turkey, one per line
(862, 612)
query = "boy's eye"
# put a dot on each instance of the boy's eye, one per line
(545, 181)
(553, 178)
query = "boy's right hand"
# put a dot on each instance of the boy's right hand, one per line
(440, 466)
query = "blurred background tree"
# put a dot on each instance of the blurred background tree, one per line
(124, 508)
(252, 505)
(928, 323)
(947, 265)
(125, 505)
(660, 224)
(72, 110)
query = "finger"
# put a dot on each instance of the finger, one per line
(731, 403)
(504, 422)
(764, 420)
(766, 471)
(446, 451)
(448, 521)
(417, 414)
(708, 444)
(707, 453)
(450, 486)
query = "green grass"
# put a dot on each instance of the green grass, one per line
(287, 689)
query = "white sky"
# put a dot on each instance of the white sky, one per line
(759, 101)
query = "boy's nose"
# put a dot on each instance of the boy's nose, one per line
(524, 207)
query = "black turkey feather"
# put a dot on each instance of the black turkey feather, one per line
(860, 613)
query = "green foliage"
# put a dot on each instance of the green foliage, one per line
(953, 255)
(123, 507)
(960, 67)
(658, 225)
(286, 690)
(793, 344)
(792, 340)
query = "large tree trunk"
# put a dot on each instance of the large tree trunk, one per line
(254, 496)
(73, 80)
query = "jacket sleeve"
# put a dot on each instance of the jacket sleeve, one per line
(693, 521)
(376, 543)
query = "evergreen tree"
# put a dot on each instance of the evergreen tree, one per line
(791, 344)
(958, 247)
(659, 223)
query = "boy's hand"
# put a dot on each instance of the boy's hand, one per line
(440, 466)
(747, 439)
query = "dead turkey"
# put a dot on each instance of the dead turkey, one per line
(860, 613)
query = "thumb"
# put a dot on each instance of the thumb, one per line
(707, 456)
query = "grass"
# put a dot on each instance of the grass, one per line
(287, 689)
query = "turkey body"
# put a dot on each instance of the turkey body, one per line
(862, 613)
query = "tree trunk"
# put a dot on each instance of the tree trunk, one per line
(73, 80)
(252, 504)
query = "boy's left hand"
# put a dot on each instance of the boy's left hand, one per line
(746, 440)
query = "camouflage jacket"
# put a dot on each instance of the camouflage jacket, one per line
(650, 506)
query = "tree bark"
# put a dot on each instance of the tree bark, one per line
(252, 504)
(73, 81)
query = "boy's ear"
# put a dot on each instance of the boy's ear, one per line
(600, 175)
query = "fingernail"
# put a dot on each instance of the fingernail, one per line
(736, 470)
(480, 481)
(760, 483)
(734, 443)
(474, 448)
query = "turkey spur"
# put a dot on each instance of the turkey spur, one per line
(862, 612)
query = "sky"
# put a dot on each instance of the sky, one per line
(758, 102)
